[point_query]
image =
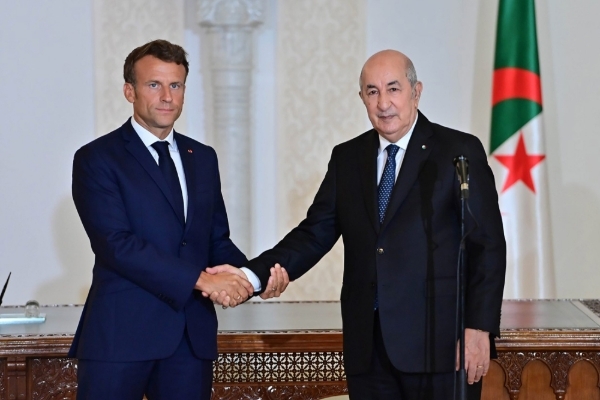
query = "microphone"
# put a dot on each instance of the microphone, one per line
(462, 170)
(4, 288)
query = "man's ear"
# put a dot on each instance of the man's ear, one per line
(129, 92)
(417, 90)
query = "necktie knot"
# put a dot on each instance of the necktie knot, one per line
(392, 150)
(162, 148)
(169, 171)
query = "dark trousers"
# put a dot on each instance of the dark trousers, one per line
(181, 376)
(384, 382)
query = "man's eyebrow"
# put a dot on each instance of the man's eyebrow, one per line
(392, 83)
(159, 82)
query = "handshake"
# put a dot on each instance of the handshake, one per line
(229, 286)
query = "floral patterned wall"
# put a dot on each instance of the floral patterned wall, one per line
(320, 51)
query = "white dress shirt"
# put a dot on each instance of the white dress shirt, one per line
(149, 139)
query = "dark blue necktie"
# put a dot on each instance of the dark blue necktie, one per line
(167, 167)
(386, 184)
(384, 191)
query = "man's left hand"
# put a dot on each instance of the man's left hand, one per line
(477, 354)
(278, 282)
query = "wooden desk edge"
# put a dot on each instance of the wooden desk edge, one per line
(307, 341)
(288, 342)
(547, 339)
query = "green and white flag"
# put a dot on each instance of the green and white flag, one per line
(518, 154)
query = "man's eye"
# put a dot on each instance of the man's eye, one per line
(153, 85)
(393, 89)
(175, 85)
(371, 92)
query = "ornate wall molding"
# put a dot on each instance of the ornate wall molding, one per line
(229, 26)
(234, 13)
(121, 26)
(320, 51)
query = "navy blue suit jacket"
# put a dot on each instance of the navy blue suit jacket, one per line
(147, 262)
(410, 259)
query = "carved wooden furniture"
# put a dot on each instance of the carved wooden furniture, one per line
(549, 350)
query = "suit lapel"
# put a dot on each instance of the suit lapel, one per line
(136, 147)
(368, 176)
(417, 151)
(187, 159)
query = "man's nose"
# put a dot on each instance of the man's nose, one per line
(166, 95)
(383, 101)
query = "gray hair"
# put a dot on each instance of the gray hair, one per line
(411, 73)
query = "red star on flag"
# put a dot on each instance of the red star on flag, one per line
(519, 165)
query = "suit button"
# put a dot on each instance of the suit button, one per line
(380, 250)
(183, 243)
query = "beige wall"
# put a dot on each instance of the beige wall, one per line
(320, 50)
(121, 26)
(62, 87)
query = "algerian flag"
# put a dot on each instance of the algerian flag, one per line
(518, 155)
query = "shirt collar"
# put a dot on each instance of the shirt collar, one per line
(402, 143)
(148, 138)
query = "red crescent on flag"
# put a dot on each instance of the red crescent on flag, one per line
(510, 83)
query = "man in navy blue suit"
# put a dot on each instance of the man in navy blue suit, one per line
(150, 201)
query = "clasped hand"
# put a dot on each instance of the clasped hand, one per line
(234, 287)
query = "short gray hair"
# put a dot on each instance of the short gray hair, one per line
(411, 73)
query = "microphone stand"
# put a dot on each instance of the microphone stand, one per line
(462, 373)
(462, 168)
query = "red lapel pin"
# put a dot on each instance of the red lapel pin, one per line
(190, 151)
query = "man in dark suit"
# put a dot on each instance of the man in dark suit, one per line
(150, 201)
(392, 194)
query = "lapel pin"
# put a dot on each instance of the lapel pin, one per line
(190, 151)
(424, 147)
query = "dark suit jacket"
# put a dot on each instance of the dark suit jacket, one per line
(411, 258)
(146, 261)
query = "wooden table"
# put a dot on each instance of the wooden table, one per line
(548, 350)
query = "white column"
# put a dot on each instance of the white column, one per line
(229, 26)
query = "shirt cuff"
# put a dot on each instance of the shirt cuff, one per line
(252, 278)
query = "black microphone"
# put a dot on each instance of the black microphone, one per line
(462, 170)
(4, 288)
